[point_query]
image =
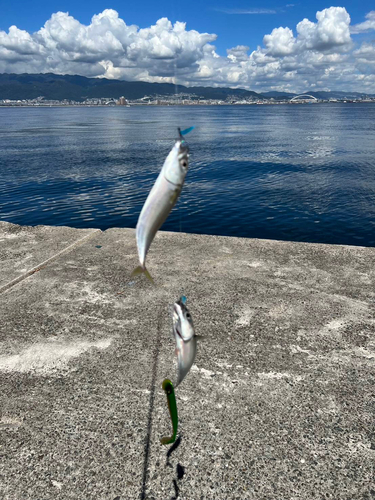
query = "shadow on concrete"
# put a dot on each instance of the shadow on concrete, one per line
(180, 470)
(174, 447)
(151, 405)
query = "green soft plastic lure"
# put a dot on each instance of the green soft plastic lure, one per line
(169, 391)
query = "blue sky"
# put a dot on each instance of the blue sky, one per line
(328, 50)
(207, 16)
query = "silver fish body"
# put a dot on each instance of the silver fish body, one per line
(186, 340)
(161, 199)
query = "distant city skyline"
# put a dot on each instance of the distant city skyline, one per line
(262, 47)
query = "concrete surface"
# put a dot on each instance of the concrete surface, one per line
(280, 403)
(23, 249)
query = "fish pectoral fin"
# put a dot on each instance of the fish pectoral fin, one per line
(174, 196)
(142, 270)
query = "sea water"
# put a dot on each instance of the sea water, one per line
(303, 172)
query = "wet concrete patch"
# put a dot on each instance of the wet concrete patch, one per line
(48, 357)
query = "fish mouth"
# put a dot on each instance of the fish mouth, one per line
(183, 150)
(178, 323)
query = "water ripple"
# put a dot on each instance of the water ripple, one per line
(303, 173)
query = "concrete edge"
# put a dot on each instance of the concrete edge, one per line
(43, 264)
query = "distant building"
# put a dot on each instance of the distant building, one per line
(122, 101)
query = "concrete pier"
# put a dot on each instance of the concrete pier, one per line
(280, 403)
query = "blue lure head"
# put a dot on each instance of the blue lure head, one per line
(183, 299)
(186, 131)
(181, 133)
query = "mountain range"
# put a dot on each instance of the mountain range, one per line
(79, 88)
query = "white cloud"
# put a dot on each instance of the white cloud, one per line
(330, 32)
(247, 11)
(318, 54)
(366, 26)
(238, 53)
(280, 42)
(18, 41)
(107, 47)
(366, 52)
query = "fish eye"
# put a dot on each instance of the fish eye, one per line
(184, 163)
(188, 315)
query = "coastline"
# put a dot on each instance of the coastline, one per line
(277, 103)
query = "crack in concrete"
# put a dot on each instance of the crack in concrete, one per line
(38, 267)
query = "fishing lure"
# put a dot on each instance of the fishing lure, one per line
(186, 131)
(172, 406)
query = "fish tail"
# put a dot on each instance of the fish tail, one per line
(148, 276)
(142, 270)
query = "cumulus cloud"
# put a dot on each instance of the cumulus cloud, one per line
(366, 52)
(18, 41)
(280, 42)
(107, 47)
(366, 26)
(238, 53)
(330, 32)
(317, 54)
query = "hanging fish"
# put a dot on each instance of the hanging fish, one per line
(186, 340)
(161, 199)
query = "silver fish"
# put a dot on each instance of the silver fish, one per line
(161, 199)
(186, 340)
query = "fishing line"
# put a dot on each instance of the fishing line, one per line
(175, 95)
